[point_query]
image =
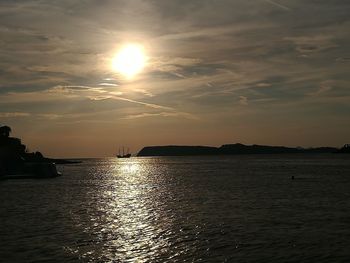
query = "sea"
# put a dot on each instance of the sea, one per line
(243, 208)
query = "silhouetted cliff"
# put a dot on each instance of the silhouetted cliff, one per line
(227, 149)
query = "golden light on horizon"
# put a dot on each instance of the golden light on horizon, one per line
(130, 60)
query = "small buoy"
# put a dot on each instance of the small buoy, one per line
(292, 177)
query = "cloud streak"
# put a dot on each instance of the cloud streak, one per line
(284, 7)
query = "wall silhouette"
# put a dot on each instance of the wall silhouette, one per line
(14, 154)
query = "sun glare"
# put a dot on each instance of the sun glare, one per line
(130, 60)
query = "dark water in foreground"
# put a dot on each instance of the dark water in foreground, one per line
(211, 209)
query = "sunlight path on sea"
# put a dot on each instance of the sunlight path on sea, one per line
(128, 218)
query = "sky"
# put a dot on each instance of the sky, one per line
(271, 72)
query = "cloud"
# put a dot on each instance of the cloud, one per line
(243, 100)
(162, 114)
(321, 90)
(77, 94)
(275, 3)
(98, 93)
(263, 85)
(14, 114)
(144, 92)
(108, 84)
(310, 44)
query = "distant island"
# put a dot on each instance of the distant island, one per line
(233, 149)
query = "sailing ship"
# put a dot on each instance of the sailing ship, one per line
(124, 154)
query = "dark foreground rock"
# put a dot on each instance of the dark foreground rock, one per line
(16, 162)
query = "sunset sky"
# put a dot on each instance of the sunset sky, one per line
(273, 72)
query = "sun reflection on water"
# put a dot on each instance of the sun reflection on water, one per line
(131, 168)
(129, 221)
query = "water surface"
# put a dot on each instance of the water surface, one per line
(182, 209)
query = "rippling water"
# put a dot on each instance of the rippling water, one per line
(211, 209)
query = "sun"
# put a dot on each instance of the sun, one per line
(130, 60)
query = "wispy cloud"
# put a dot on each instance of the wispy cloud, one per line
(275, 3)
(62, 93)
(108, 84)
(145, 92)
(98, 93)
(314, 43)
(14, 114)
(162, 114)
(243, 100)
(151, 105)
